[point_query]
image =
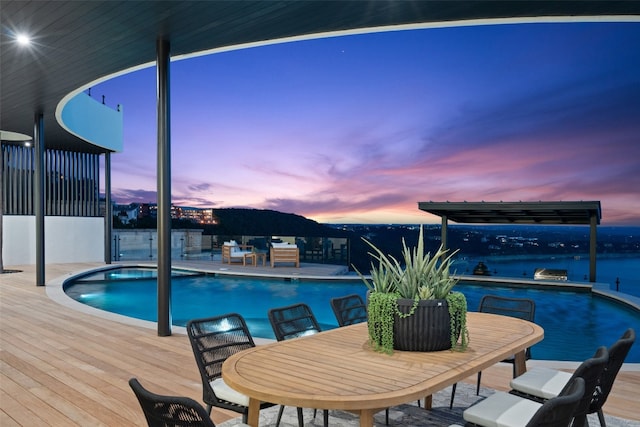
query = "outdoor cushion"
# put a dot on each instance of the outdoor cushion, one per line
(224, 392)
(283, 245)
(541, 382)
(502, 410)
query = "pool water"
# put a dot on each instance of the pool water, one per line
(575, 323)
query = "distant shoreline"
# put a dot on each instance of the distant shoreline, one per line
(526, 257)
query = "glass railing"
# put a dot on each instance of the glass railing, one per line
(142, 244)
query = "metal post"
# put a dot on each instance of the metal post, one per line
(164, 189)
(592, 248)
(108, 209)
(39, 185)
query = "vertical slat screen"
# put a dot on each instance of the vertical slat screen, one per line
(71, 187)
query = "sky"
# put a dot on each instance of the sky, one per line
(360, 128)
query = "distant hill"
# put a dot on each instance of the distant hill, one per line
(264, 222)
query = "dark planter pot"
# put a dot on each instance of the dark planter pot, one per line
(428, 329)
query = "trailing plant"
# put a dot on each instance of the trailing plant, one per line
(457, 303)
(420, 276)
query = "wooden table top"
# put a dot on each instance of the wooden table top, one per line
(336, 369)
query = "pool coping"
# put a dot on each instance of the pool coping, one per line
(55, 291)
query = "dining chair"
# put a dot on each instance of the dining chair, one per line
(540, 384)
(213, 340)
(294, 321)
(521, 308)
(617, 354)
(349, 309)
(515, 411)
(170, 411)
(543, 383)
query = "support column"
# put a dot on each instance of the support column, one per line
(38, 203)
(164, 188)
(443, 232)
(592, 247)
(108, 209)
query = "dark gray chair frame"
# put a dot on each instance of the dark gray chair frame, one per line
(349, 309)
(521, 308)
(590, 371)
(212, 344)
(617, 354)
(560, 411)
(294, 321)
(170, 411)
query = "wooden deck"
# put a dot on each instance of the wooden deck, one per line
(63, 367)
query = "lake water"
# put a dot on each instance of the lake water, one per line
(608, 269)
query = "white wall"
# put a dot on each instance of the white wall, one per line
(66, 239)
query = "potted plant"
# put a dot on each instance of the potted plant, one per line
(411, 305)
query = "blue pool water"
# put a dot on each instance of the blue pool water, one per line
(575, 323)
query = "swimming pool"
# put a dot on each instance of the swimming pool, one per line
(575, 323)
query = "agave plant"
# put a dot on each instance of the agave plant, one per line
(420, 276)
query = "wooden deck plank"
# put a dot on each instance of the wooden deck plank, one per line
(62, 367)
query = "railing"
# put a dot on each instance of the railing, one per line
(141, 244)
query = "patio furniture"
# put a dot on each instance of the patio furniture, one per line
(349, 309)
(294, 321)
(213, 340)
(233, 251)
(544, 383)
(284, 253)
(254, 257)
(337, 369)
(540, 384)
(521, 308)
(507, 410)
(617, 354)
(163, 411)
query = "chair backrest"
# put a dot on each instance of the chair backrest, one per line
(559, 411)
(521, 308)
(169, 411)
(349, 309)
(590, 371)
(213, 340)
(617, 354)
(293, 321)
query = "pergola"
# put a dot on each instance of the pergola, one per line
(523, 213)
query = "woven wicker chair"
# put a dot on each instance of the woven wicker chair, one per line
(617, 353)
(349, 310)
(556, 412)
(170, 411)
(528, 384)
(290, 322)
(213, 340)
(521, 308)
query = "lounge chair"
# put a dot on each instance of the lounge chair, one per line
(233, 251)
(284, 252)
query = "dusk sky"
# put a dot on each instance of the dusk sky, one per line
(359, 129)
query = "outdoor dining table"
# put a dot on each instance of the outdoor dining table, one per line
(337, 369)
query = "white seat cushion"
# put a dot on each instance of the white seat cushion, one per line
(541, 382)
(224, 392)
(501, 410)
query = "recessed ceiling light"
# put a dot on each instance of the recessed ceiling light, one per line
(23, 39)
